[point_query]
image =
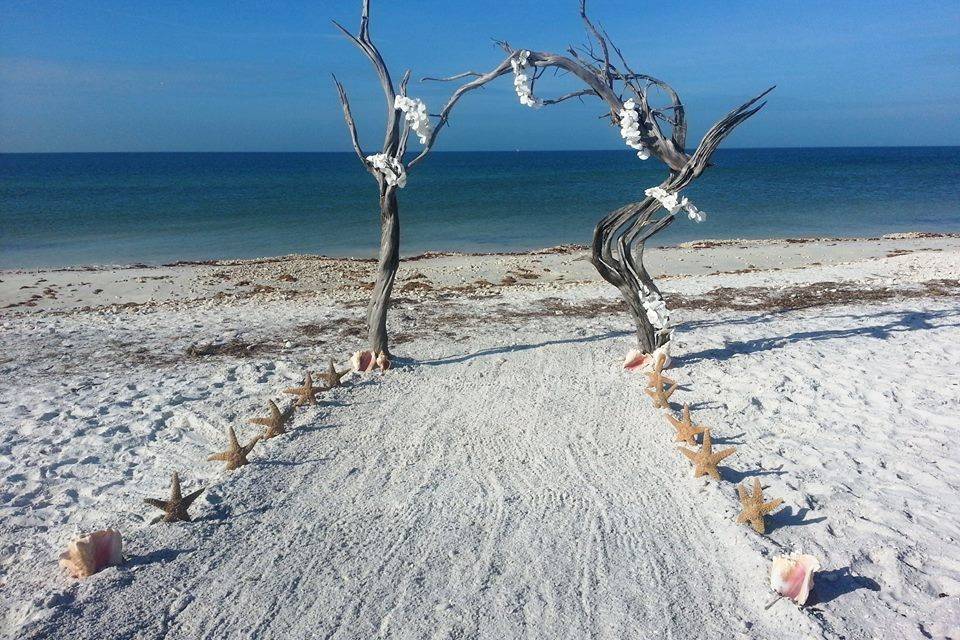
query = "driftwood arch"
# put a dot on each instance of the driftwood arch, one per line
(619, 237)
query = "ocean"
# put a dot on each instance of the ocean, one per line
(61, 210)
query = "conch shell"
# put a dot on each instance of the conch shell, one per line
(365, 361)
(792, 576)
(637, 360)
(93, 553)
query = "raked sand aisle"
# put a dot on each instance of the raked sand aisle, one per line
(513, 482)
(473, 495)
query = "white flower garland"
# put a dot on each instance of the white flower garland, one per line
(653, 304)
(391, 169)
(522, 81)
(674, 203)
(656, 308)
(630, 128)
(415, 113)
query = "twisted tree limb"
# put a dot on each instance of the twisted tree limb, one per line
(619, 237)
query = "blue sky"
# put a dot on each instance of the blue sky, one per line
(255, 76)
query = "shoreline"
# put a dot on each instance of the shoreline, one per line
(704, 243)
(426, 276)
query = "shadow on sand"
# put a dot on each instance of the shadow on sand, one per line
(890, 322)
(896, 322)
(788, 517)
(830, 585)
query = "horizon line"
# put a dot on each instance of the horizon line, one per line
(350, 152)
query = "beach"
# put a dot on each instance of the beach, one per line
(507, 478)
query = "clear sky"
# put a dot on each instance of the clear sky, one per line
(237, 75)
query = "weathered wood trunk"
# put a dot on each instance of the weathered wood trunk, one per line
(647, 338)
(617, 254)
(386, 271)
(646, 334)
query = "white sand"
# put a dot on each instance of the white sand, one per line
(508, 479)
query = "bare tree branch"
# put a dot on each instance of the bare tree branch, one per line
(572, 94)
(348, 117)
(465, 74)
(394, 143)
(405, 135)
(718, 132)
(605, 73)
(619, 237)
(444, 115)
(365, 44)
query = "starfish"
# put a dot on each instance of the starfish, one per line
(176, 507)
(686, 431)
(307, 393)
(660, 387)
(235, 456)
(753, 506)
(332, 378)
(274, 423)
(705, 461)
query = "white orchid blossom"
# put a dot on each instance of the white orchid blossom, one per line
(673, 203)
(630, 128)
(656, 308)
(522, 80)
(391, 169)
(693, 213)
(415, 113)
(669, 201)
(653, 304)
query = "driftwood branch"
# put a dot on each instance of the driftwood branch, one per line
(619, 237)
(394, 146)
(568, 96)
(605, 69)
(444, 115)
(365, 44)
(351, 126)
(459, 76)
(405, 135)
(394, 143)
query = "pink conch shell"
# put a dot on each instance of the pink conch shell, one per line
(364, 361)
(792, 576)
(637, 360)
(361, 360)
(93, 553)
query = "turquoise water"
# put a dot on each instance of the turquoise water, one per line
(73, 209)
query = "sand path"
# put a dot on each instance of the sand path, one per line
(398, 514)
(514, 483)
